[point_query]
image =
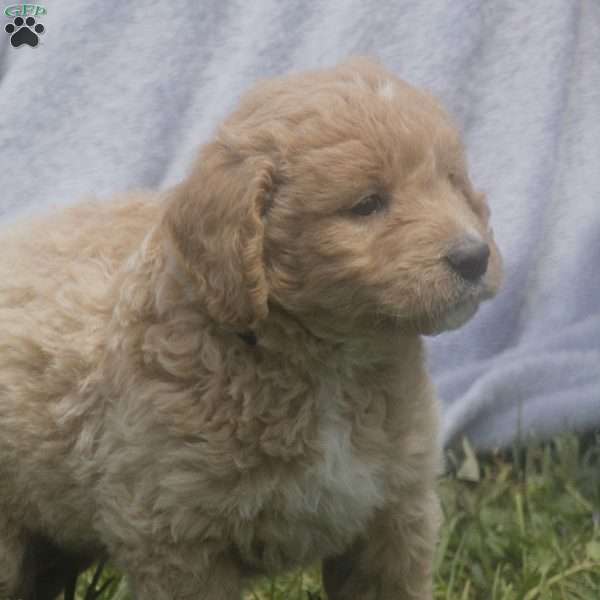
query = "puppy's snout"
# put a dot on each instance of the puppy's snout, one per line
(469, 258)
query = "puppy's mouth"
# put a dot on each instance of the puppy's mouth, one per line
(451, 317)
(461, 311)
(457, 316)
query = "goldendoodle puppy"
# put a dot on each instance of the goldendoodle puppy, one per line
(229, 381)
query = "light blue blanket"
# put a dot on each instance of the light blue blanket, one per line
(120, 94)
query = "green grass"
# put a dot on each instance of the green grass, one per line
(523, 525)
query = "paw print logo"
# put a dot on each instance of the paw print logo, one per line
(24, 31)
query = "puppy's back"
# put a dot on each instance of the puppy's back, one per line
(55, 301)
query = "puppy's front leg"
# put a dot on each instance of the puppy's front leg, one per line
(394, 560)
(12, 559)
(220, 580)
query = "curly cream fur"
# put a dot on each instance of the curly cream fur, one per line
(135, 422)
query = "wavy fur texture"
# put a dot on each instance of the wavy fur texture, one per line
(135, 421)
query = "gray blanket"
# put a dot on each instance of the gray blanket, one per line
(118, 95)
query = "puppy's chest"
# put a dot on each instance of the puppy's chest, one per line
(343, 487)
(319, 510)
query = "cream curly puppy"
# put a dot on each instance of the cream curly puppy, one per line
(230, 381)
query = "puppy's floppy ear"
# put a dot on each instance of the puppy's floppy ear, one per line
(214, 220)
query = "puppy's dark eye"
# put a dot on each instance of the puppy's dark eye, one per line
(368, 205)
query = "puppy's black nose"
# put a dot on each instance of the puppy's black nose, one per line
(469, 258)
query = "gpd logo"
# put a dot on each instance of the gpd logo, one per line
(24, 29)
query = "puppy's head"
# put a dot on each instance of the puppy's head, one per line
(342, 197)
